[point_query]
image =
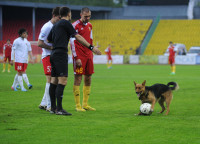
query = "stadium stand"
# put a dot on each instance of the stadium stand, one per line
(125, 36)
(178, 31)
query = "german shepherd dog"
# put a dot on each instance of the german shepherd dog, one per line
(157, 92)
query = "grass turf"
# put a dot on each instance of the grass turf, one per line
(21, 121)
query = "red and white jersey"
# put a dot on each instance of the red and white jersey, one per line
(21, 47)
(85, 30)
(7, 48)
(45, 30)
(172, 51)
(108, 51)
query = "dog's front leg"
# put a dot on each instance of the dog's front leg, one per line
(152, 105)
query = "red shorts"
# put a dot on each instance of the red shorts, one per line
(46, 65)
(21, 67)
(109, 57)
(7, 57)
(87, 67)
(171, 60)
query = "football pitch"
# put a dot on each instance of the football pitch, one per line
(113, 95)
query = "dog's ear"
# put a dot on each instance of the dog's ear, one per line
(144, 83)
(135, 83)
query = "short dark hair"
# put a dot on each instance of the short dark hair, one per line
(64, 11)
(85, 9)
(21, 31)
(55, 11)
(8, 39)
(171, 42)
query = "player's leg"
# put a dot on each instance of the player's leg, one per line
(78, 71)
(76, 91)
(47, 71)
(19, 67)
(4, 64)
(9, 65)
(86, 92)
(25, 77)
(14, 85)
(59, 65)
(20, 80)
(52, 93)
(87, 84)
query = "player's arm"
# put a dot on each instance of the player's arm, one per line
(30, 56)
(81, 40)
(12, 56)
(43, 45)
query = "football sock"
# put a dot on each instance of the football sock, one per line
(15, 81)
(4, 66)
(25, 79)
(9, 67)
(48, 101)
(46, 98)
(52, 92)
(110, 64)
(76, 91)
(20, 80)
(59, 95)
(173, 69)
(86, 94)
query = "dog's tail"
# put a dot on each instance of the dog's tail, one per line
(175, 85)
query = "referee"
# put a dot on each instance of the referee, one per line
(59, 36)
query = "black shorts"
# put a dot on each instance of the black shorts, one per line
(59, 63)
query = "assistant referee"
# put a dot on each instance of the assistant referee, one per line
(59, 36)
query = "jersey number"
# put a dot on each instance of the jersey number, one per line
(48, 68)
(19, 67)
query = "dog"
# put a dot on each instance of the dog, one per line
(157, 92)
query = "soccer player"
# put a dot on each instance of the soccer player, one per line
(82, 60)
(109, 57)
(46, 52)
(172, 53)
(7, 55)
(20, 51)
(59, 36)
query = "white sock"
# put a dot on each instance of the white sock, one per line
(43, 102)
(20, 80)
(25, 79)
(47, 95)
(15, 81)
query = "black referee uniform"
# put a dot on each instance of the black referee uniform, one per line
(59, 36)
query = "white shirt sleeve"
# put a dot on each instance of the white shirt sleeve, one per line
(44, 33)
(29, 46)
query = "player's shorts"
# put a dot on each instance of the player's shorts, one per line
(109, 57)
(171, 60)
(21, 67)
(47, 65)
(87, 67)
(7, 58)
(59, 63)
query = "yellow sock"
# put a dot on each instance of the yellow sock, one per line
(76, 91)
(4, 66)
(86, 94)
(108, 64)
(9, 67)
(174, 69)
(171, 68)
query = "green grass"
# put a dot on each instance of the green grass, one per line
(114, 122)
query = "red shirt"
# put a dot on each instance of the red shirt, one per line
(171, 52)
(108, 51)
(7, 48)
(85, 30)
